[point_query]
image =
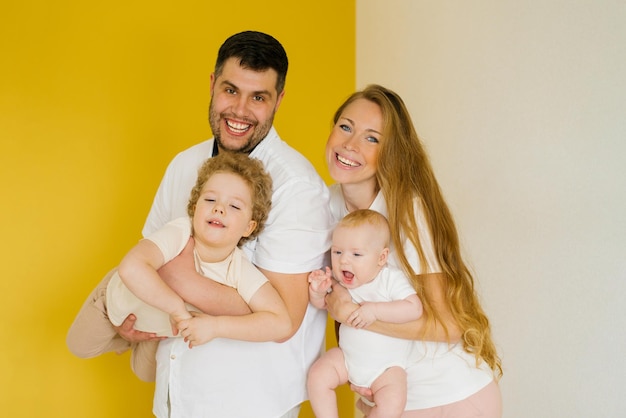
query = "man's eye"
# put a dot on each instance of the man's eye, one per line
(258, 98)
(230, 91)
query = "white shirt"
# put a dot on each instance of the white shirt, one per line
(339, 210)
(229, 378)
(439, 374)
(368, 354)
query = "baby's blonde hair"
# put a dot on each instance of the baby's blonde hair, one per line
(367, 216)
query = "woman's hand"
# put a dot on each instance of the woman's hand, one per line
(339, 303)
(366, 401)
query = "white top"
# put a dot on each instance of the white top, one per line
(439, 374)
(234, 271)
(368, 354)
(229, 378)
(339, 210)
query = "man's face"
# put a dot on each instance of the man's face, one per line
(243, 104)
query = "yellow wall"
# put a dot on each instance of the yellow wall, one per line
(95, 99)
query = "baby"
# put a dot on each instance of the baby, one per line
(360, 247)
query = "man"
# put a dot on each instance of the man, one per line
(228, 378)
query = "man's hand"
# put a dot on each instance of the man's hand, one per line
(128, 332)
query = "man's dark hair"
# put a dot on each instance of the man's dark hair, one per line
(256, 51)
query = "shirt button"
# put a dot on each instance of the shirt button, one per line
(173, 357)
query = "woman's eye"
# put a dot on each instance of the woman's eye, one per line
(344, 127)
(372, 139)
(235, 207)
(209, 200)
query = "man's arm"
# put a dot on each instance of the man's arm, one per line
(294, 291)
(209, 296)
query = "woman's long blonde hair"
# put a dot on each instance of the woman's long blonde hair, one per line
(404, 171)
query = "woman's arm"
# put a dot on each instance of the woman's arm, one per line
(394, 311)
(340, 306)
(269, 321)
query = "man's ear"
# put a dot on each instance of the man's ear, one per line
(279, 99)
(212, 83)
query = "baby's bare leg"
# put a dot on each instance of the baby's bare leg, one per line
(328, 372)
(389, 394)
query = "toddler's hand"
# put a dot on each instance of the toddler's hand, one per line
(198, 330)
(176, 317)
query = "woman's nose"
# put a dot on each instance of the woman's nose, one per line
(350, 144)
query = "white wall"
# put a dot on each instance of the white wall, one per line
(522, 106)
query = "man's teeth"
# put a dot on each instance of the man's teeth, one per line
(237, 126)
(345, 161)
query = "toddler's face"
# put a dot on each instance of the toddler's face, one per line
(223, 211)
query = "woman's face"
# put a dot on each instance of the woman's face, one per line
(354, 143)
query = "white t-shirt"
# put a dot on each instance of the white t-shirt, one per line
(229, 378)
(234, 271)
(439, 373)
(368, 354)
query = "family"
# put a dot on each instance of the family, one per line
(246, 252)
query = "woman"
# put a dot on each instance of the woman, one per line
(378, 162)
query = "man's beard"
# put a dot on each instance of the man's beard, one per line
(260, 131)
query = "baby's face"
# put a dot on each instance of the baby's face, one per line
(357, 255)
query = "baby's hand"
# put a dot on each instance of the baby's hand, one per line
(364, 316)
(197, 330)
(320, 280)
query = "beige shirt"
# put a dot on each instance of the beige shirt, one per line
(234, 271)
